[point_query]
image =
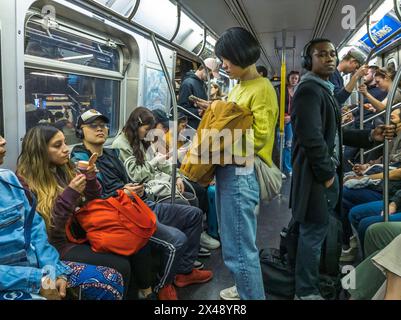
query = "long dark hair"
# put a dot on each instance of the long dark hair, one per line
(33, 166)
(138, 118)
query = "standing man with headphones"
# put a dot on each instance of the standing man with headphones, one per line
(317, 154)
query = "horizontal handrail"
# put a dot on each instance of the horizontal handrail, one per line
(381, 113)
(189, 112)
(373, 149)
(348, 123)
(351, 111)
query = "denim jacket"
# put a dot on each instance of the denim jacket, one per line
(22, 267)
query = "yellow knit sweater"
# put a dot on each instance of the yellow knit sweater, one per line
(259, 96)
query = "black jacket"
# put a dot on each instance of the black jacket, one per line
(339, 92)
(192, 85)
(112, 175)
(315, 121)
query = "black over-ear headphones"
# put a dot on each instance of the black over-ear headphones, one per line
(307, 58)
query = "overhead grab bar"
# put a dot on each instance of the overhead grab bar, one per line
(175, 115)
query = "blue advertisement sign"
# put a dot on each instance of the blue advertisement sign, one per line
(382, 30)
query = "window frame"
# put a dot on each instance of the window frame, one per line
(51, 65)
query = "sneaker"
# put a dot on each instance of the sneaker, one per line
(152, 296)
(208, 242)
(230, 294)
(309, 297)
(348, 255)
(353, 242)
(198, 265)
(283, 176)
(204, 253)
(168, 292)
(196, 276)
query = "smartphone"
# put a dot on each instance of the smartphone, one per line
(141, 181)
(195, 99)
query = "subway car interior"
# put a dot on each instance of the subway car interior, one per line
(128, 66)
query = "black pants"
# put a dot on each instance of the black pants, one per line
(201, 194)
(134, 269)
(180, 226)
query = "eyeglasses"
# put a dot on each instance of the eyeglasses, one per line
(94, 126)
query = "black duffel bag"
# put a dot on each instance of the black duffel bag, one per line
(278, 276)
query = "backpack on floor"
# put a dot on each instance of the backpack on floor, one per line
(278, 266)
(278, 276)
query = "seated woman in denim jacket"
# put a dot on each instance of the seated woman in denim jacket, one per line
(30, 267)
(44, 166)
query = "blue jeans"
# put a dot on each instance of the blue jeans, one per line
(287, 152)
(354, 197)
(310, 241)
(364, 215)
(236, 199)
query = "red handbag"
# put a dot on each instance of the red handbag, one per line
(121, 224)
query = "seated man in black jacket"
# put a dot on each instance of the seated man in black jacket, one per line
(317, 158)
(177, 224)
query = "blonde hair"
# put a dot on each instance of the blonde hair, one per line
(34, 167)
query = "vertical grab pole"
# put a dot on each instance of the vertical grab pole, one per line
(283, 89)
(386, 154)
(175, 114)
(362, 117)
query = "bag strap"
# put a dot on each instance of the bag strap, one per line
(29, 220)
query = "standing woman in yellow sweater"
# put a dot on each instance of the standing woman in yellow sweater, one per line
(237, 193)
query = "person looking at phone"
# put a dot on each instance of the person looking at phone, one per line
(194, 84)
(395, 147)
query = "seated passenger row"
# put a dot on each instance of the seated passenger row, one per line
(45, 170)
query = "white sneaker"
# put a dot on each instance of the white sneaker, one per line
(348, 255)
(353, 242)
(283, 176)
(208, 242)
(230, 294)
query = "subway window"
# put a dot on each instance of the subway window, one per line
(57, 91)
(60, 98)
(61, 45)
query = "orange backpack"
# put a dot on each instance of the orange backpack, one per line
(121, 224)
